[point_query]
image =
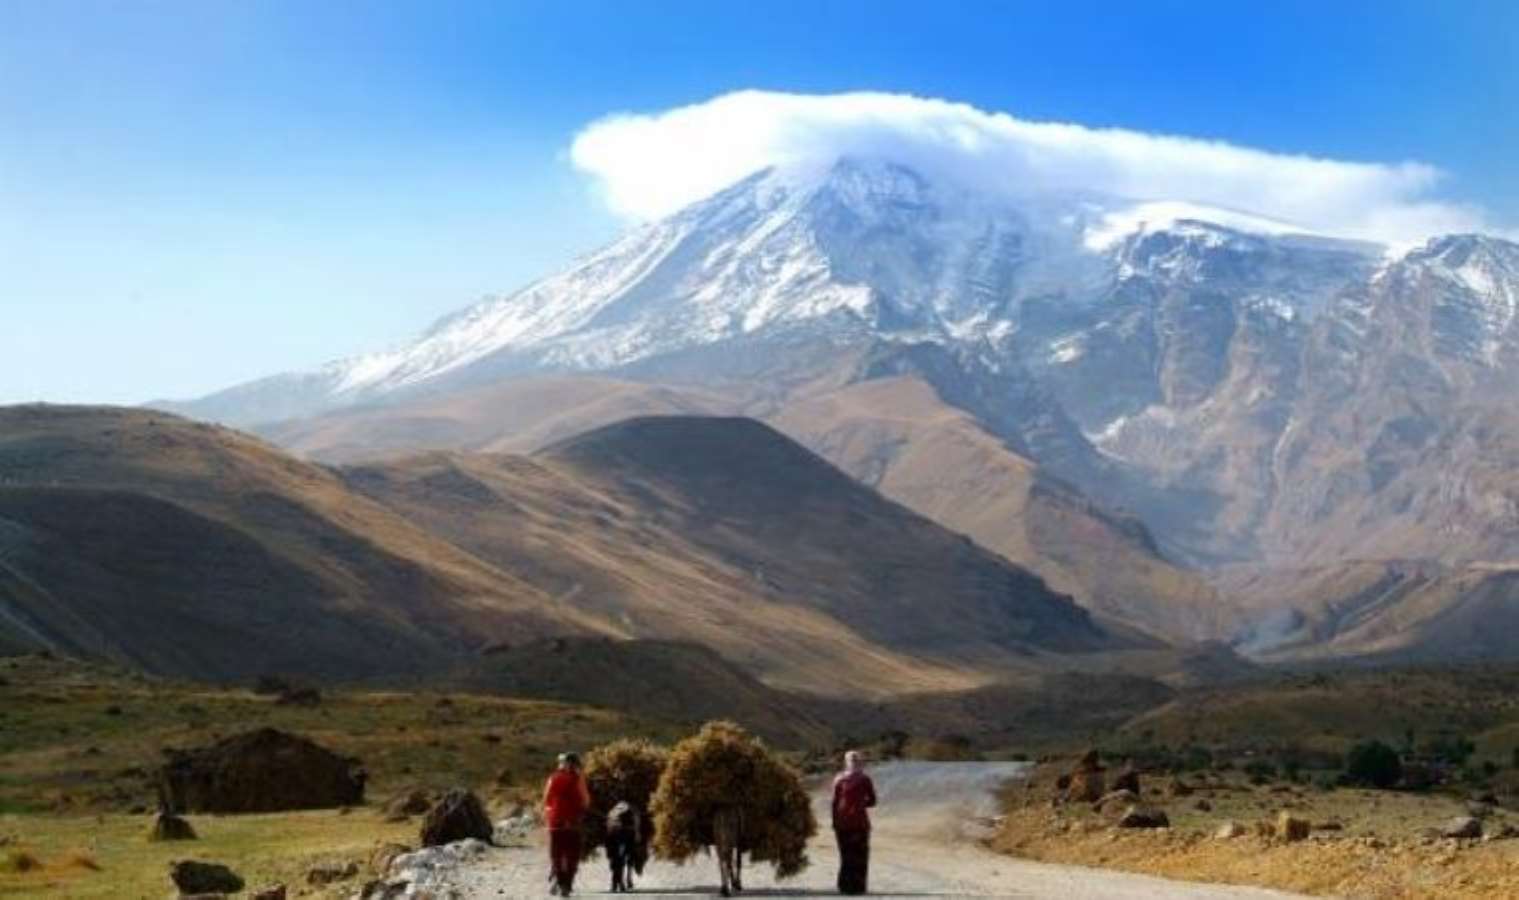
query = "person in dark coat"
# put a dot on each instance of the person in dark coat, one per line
(854, 794)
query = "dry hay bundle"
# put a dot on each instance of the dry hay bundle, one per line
(723, 765)
(625, 771)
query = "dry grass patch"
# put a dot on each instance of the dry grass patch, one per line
(1376, 852)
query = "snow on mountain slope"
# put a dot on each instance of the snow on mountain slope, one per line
(857, 246)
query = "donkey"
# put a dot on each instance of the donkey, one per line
(627, 845)
(728, 837)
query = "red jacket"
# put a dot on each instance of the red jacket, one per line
(565, 799)
(853, 794)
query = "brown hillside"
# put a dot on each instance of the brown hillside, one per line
(194, 550)
(896, 435)
(808, 531)
(723, 532)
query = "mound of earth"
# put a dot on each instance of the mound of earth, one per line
(260, 771)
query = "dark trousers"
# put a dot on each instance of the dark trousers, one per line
(854, 860)
(564, 855)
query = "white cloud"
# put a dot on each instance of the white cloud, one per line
(649, 165)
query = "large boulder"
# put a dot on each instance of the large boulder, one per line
(457, 816)
(193, 877)
(259, 771)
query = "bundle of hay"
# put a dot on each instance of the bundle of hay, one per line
(625, 771)
(721, 766)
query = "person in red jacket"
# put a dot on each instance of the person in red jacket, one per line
(853, 796)
(565, 801)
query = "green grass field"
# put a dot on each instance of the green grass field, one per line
(78, 743)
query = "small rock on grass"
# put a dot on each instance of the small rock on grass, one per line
(1230, 830)
(192, 877)
(328, 872)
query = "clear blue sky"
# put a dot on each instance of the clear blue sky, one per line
(196, 193)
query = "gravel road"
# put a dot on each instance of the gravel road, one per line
(924, 846)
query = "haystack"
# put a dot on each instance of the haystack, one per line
(259, 771)
(625, 771)
(723, 765)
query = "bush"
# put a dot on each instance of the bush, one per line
(1373, 763)
(626, 771)
(723, 766)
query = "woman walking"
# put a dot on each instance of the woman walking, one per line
(853, 796)
(566, 798)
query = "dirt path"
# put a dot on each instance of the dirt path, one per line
(924, 846)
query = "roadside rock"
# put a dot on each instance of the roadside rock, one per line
(193, 877)
(272, 892)
(456, 817)
(1230, 830)
(425, 872)
(328, 872)
(1462, 827)
(1142, 816)
(1127, 780)
(383, 855)
(513, 830)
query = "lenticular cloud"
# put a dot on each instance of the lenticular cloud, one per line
(648, 165)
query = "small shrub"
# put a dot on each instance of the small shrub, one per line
(1373, 764)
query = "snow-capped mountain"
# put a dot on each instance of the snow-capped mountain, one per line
(856, 247)
(1165, 357)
